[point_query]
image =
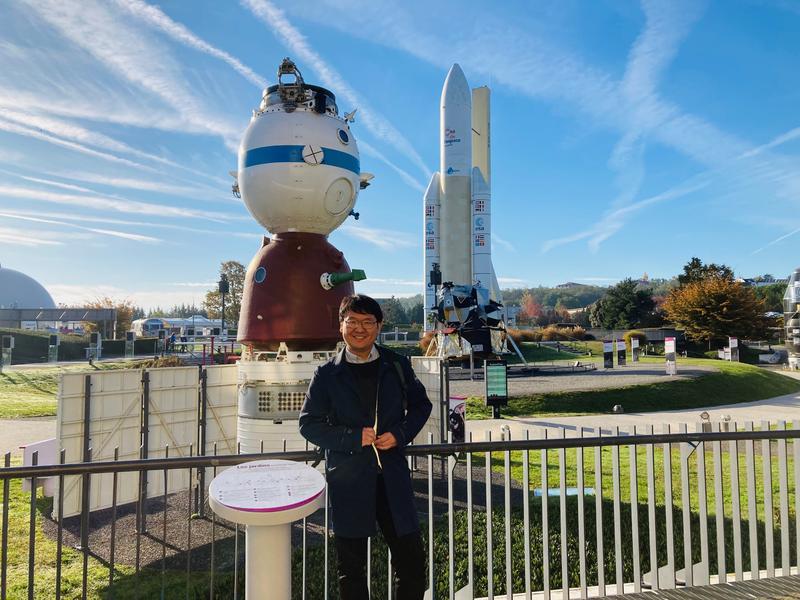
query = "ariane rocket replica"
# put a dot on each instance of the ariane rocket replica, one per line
(299, 176)
(791, 318)
(457, 220)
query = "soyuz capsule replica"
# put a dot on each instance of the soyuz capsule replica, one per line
(299, 176)
(791, 318)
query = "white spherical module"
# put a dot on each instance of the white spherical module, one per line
(299, 167)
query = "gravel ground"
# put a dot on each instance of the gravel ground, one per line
(590, 380)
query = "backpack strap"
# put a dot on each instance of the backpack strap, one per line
(403, 385)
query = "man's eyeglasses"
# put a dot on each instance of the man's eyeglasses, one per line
(366, 323)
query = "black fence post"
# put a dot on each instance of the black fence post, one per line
(86, 457)
(144, 430)
(202, 423)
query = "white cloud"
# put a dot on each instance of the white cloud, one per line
(20, 237)
(511, 281)
(108, 232)
(156, 17)
(503, 243)
(198, 284)
(147, 185)
(614, 220)
(382, 238)
(377, 124)
(113, 204)
(404, 175)
(76, 137)
(18, 129)
(395, 281)
(164, 296)
(133, 55)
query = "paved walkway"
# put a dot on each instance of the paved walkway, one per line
(17, 432)
(786, 408)
(632, 374)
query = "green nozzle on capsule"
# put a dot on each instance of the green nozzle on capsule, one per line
(331, 280)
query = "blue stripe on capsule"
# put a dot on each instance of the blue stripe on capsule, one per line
(294, 154)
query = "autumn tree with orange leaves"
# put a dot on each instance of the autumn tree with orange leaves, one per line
(712, 308)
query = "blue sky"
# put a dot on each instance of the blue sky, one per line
(627, 136)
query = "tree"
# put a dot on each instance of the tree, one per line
(125, 311)
(393, 312)
(416, 314)
(772, 295)
(531, 309)
(624, 306)
(714, 308)
(233, 299)
(695, 270)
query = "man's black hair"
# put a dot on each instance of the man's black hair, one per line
(359, 303)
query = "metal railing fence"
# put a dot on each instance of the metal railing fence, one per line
(562, 516)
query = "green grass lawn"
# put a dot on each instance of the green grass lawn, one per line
(605, 483)
(731, 384)
(534, 353)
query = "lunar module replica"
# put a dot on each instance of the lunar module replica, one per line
(468, 314)
(299, 176)
(791, 318)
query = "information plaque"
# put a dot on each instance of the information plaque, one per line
(608, 355)
(496, 378)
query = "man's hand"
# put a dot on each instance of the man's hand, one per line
(367, 436)
(385, 441)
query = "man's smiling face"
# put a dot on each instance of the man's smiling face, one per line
(359, 332)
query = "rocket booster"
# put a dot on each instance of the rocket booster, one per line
(457, 218)
(455, 151)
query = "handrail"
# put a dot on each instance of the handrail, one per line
(227, 460)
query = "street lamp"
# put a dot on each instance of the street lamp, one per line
(224, 288)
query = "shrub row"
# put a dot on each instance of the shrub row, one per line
(32, 346)
(551, 333)
(315, 572)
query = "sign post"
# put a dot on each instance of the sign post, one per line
(52, 349)
(621, 355)
(267, 496)
(6, 346)
(495, 374)
(93, 352)
(635, 349)
(130, 340)
(733, 344)
(608, 355)
(670, 355)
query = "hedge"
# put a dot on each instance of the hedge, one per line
(315, 553)
(32, 346)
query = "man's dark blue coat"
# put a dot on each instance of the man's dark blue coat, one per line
(332, 418)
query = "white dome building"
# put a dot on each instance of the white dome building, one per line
(17, 290)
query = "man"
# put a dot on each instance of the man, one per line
(363, 407)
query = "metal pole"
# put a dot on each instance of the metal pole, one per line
(87, 422)
(201, 442)
(144, 430)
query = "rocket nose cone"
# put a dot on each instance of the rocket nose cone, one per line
(456, 89)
